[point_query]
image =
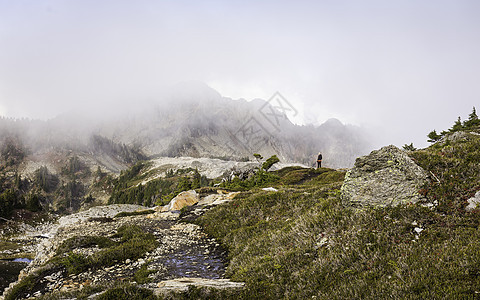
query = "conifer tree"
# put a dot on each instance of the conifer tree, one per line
(457, 126)
(433, 136)
(473, 120)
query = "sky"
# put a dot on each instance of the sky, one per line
(398, 68)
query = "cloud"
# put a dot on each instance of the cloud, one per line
(405, 66)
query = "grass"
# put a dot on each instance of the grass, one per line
(84, 242)
(456, 172)
(141, 276)
(301, 242)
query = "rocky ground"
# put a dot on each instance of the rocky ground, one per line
(185, 254)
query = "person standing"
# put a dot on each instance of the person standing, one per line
(319, 160)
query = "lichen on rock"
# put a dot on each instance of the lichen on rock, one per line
(385, 177)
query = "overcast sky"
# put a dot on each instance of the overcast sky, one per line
(400, 67)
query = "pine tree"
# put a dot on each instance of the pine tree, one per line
(433, 137)
(457, 126)
(473, 120)
(409, 147)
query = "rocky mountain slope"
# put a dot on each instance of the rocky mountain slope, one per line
(70, 162)
(191, 120)
(289, 233)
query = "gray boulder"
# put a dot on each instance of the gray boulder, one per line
(474, 202)
(384, 177)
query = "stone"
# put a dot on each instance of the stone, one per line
(182, 284)
(384, 177)
(270, 189)
(473, 202)
(217, 199)
(182, 200)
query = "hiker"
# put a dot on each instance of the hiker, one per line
(319, 160)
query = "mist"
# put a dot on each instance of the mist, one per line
(400, 69)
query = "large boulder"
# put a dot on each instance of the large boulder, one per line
(183, 199)
(384, 177)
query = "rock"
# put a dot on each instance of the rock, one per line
(181, 284)
(270, 189)
(473, 202)
(164, 215)
(183, 199)
(455, 137)
(384, 177)
(417, 229)
(217, 199)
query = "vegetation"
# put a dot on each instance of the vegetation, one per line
(129, 187)
(409, 147)
(12, 152)
(141, 276)
(472, 123)
(133, 243)
(301, 242)
(127, 292)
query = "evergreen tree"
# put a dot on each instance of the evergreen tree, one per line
(433, 136)
(457, 126)
(196, 179)
(409, 147)
(270, 162)
(472, 121)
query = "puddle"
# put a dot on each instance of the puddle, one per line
(24, 260)
(194, 262)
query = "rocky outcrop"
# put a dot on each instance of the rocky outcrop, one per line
(184, 255)
(384, 177)
(217, 199)
(474, 202)
(187, 198)
(182, 284)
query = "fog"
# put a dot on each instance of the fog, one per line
(398, 68)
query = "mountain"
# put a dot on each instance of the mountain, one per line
(399, 224)
(194, 120)
(58, 162)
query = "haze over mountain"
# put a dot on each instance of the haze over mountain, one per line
(192, 119)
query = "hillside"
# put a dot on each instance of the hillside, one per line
(194, 120)
(287, 234)
(68, 163)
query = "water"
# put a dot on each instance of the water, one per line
(9, 270)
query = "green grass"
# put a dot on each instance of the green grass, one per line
(84, 242)
(141, 276)
(456, 172)
(301, 242)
